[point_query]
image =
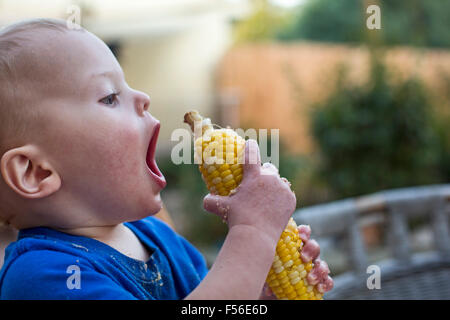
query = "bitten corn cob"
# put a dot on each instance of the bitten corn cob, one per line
(220, 154)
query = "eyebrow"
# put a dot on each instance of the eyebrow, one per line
(108, 74)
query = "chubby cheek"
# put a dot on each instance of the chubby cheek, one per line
(120, 155)
(106, 167)
(125, 174)
(120, 159)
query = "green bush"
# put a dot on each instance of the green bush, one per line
(442, 120)
(412, 22)
(325, 20)
(376, 136)
(443, 136)
(261, 25)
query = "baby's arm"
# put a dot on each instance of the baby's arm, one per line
(256, 215)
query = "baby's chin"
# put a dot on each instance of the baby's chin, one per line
(156, 205)
(152, 207)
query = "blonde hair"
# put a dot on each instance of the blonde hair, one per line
(16, 41)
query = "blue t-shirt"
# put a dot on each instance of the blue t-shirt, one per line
(47, 264)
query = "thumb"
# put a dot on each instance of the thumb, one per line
(216, 204)
(252, 162)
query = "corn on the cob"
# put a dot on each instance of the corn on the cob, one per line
(220, 155)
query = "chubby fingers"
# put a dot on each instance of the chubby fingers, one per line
(304, 232)
(319, 276)
(216, 204)
(310, 251)
(319, 273)
(326, 285)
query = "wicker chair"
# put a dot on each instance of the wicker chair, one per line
(405, 274)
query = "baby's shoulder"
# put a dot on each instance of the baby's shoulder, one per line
(37, 261)
(32, 273)
(46, 269)
(42, 250)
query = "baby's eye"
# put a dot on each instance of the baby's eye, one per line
(109, 99)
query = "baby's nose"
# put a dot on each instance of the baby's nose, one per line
(142, 102)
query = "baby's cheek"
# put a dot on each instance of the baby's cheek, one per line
(122, 154)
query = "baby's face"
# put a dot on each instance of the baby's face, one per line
(99, 136)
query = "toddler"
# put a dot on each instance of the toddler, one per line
(80, 182)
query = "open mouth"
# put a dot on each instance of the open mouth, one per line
(150, 159)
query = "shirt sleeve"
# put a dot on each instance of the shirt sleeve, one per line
(53, 275)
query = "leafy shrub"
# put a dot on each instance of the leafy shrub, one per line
(376, 136)
(413, 22)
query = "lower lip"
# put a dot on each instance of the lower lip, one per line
(157, 175)
(151, 165)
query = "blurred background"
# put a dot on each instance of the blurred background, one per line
(360, 111)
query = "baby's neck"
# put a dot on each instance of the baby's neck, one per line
(118, 237)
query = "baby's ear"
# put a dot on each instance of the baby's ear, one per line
(26, 171)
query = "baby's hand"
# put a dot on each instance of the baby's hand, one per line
(262, 200)
(318, 276)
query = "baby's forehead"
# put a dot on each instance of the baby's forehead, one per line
(51, 62)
